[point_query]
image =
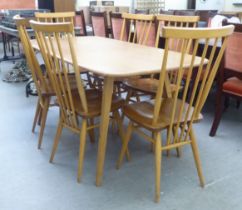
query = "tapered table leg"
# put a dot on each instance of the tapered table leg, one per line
(106, 106)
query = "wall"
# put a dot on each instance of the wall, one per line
(228, 6)
(178, 4)
(210, 4)
(116, 2)
(17, 4)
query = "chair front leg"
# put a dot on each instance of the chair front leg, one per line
(125, 144)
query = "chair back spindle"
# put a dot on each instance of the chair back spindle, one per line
(54, 41)
(183, 112)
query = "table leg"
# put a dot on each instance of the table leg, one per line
(106, 106)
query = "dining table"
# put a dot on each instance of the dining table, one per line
(113, 59)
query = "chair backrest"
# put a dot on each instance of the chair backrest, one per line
(116, 22)
(142, 11)
(99, 23)
(142, 29)
(174, 21)
(182, 111)
(40, 79)
(233, 52)
(185, 12)
(79, 21)
(57, 41)
(167, 12)
(56, 17)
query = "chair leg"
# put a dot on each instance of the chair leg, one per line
(125, 144)
(43, 121)
(91, 131)
(40, 116)
(37, 112)
(158, 160)
(56, 141)
(217, 117)
(120, 131)
(196, 157)
(82, 149)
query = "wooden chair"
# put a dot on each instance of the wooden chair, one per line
(80, 22)
(148, 86)
(116, 22)
(142, 11)
(142, 29)
(99, 24)
(229, 84)
(84, 103)
(176, 114)
(56, 17)
(44, 89)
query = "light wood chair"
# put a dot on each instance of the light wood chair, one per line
(148, 86)
(176, 114)
(44, 89)
(84, 103)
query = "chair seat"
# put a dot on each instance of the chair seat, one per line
(233, 86)
(146, 85)
(143, 113)
(94, 103)
(51, 92)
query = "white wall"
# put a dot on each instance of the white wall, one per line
(211, 4)
(116, 2)
(176, 4)
(228, 6)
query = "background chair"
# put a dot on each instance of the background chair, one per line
(84, 103)
(229, 84)
(176, 114)
(80, 22)
(142, 11)
(116, 22)
(99, 24)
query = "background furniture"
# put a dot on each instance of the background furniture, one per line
(99, 24)
(229, 84)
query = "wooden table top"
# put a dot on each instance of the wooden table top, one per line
(109, 57)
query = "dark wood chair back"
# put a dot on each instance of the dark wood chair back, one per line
(79, 21)
(99, 24)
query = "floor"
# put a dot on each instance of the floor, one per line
(29, 182)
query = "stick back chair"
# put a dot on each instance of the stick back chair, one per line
(176, 114)
(44, 89)
(142, 28)
(148, 86)
(57, 17)
(57, 43)
(229, 81)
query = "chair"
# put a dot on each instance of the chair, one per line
(116, 21)
(80, 22)
(142, 29)
(167, 12)
(185, 12)
(142, 11)
(52, 17)
(99, 24)
(176, 114)
(84, 103)
(148, 86)
(229, 84)
(44, 89)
